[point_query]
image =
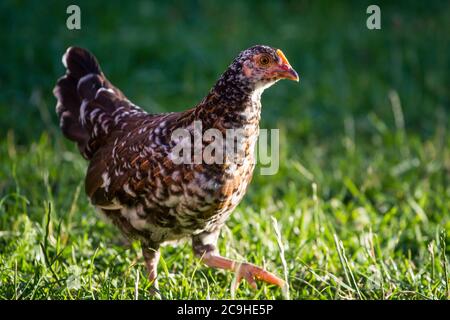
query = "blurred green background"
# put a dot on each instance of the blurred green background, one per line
(364, 145)
(166, 56)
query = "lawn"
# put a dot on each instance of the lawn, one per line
(362, 196)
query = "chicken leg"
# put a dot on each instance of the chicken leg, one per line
(151, 256)
(204, 246)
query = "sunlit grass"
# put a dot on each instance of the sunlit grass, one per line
(364, 223)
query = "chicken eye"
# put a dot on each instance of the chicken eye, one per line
(264, 60)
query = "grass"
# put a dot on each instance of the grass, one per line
(360, 208)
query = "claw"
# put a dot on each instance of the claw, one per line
(246, 271)
(251, 273)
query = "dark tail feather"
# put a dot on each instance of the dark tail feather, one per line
(76, 89)
(80, 62)
(82, 80)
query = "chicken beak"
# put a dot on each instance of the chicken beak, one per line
(287, 72)
(284, 69)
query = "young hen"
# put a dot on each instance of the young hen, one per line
(133, 176)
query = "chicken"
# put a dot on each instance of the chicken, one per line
(133, 177)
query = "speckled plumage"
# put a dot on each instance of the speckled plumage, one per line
(132, 177)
